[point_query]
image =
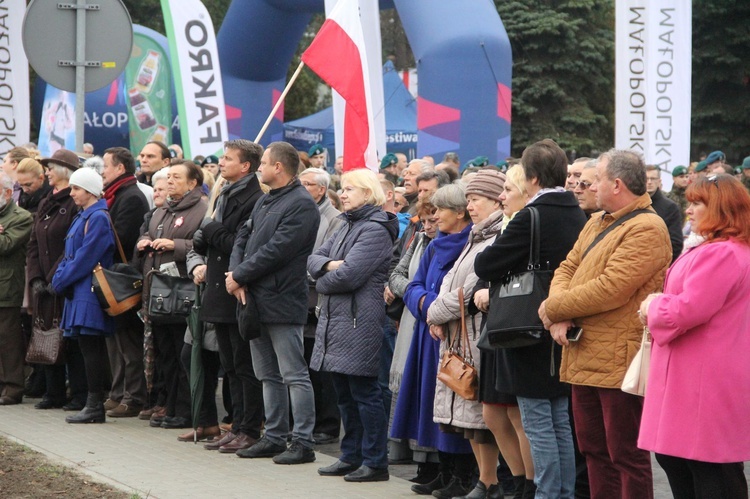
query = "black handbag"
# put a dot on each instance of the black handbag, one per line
(170, 298)
(118, 288)
(513, 319)
(395, 309)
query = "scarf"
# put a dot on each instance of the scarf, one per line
(227, 192)
(111, 190)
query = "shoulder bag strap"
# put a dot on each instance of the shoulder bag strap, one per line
(468, 356)
(534, 239)
(609, 229)
(117, 238)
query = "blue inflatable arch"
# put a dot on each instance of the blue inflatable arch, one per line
(463, 56)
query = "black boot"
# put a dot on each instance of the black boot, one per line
(92, 413)
(495, 492)
(481, 491)
(519, 482)
(456, 488)
(529, 490)
(426, 472)
(426, 489)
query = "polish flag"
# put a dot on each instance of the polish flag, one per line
(337, 55)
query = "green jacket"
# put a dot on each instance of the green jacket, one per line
(16, 223)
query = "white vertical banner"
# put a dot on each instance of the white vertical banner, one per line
(197, 77)
(669, 69)
(370, 14)
(14, 78)
(653, 40)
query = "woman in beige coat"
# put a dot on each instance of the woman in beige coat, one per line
(444, 317)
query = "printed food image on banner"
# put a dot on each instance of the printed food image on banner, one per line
(147, 80)
(58, 130)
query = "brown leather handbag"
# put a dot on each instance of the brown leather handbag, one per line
(118, 288)
(456, 368)
(46, 345)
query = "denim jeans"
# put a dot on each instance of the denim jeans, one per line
(547, 426)
(365, 423)
(279, 362)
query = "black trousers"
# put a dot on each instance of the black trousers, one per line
(76, 375)
(327, 418)
(700, 480)
(94, 351)
(210, 361)
(169, 339)
(246, 389)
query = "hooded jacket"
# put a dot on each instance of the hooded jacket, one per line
(350, 328)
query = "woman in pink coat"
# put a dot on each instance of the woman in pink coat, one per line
(696, 414)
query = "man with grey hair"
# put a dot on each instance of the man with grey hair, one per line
(15, 231)
(667, 209)
(585, 196)
(574, 173)
(327, 418)
(429, 182)
(621, 256)
(88, 148)
(416, 168)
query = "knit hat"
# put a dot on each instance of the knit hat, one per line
(714, 157)
(315, 150)
(88, 180)
(388, 160)
(487, 183)
(679, 170)
(63, 157)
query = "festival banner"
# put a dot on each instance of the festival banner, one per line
(148, 87)
(653, 40)
(58, 127)
(15, 111)
(195, 66)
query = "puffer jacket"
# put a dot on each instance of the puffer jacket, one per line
(602, 293)
(449, 408)
(350, 328)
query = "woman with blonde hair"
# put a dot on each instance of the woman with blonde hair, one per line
(351, 269)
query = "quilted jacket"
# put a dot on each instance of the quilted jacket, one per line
(350, 328)
(602, 293)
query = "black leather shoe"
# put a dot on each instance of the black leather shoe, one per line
(263, 448)
(455, 488)
(367, 474)
(324, 438)
(48, 403)
(5, 400)
(339, 468)
(92, 413)
(175, 422)
(74, 405)
(426, 489)
(295, 454)
(480, 491)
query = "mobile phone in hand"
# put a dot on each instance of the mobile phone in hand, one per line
(574, 333)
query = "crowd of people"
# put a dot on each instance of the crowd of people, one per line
(330, 300)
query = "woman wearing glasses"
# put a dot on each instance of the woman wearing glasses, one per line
(696, 408)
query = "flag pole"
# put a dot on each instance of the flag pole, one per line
(280, 101)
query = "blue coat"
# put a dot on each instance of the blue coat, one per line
(82, 313)
(413, 418)
(349, 335)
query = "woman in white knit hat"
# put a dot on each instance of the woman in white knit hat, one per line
(90, 240)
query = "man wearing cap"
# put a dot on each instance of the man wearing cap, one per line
(667, 209)
(317, 155)
(715, 162)
(680, 182)
(388, 167)
(15, 231)
(746, 173)
(153, 157)
(211, 163)
(127, 205)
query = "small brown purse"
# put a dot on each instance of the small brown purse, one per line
(456, 368)
(46, 345)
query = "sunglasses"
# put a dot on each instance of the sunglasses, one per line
(583, 184)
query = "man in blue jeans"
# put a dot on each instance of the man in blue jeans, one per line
(267, 272)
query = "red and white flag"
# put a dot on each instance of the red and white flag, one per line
(337, 55)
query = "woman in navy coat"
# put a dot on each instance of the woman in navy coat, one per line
(90, 240)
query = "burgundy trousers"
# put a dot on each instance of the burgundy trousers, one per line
(607, 423)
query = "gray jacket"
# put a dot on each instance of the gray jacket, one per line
(350, 327)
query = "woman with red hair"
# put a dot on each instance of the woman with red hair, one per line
(695, 414)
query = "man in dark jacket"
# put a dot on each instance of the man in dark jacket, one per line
(214, 241)
(127, 206)
(268, 269)
(153, 157)
(667, 209)
(15, 231)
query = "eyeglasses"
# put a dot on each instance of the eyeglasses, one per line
(583, 185)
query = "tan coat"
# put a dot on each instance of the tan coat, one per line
(602, 293)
